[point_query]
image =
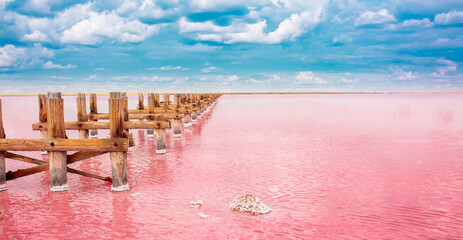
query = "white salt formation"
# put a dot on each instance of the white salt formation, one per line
(250, 204)
(196, 204)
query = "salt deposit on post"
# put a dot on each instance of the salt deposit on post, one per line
(250, 204)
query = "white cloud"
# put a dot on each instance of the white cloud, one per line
(90, 77)
(450, 66)
(236, 62)
(289, 29)
(346, 80)
(308, 77)
(100, 26)
(60, 77)
(99, 69)
(50, 65)
(450, 18)
(21, 57)
(375, 18)
(414, 23)
(402, 75)
(36, 36)
(3, 3)
(210, 69)
(10, 55)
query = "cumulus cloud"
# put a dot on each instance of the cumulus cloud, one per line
(415, 23)
(210, 69)
(400, 74)
(10, 55)
(289, 29)
(50, 65)
(83, 24)
(107, 25)
(308, 77)
(22, 57)
(36, 36)
(450, 18)
(370, 18)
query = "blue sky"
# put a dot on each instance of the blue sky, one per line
(223, 45)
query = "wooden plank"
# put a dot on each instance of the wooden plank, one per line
(99, 145)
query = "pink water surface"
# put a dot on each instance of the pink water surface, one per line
(330, 167)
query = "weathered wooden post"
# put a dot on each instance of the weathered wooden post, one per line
(82, 114)
(160, 140)
(141, 105)
(125, 110)
(151, 103)
(94, 110)
(3, 185)
(56, 130)
(43, 116)
(165, 99)
(118, 159)
(156, 101)
(187, 120)
(177, 120)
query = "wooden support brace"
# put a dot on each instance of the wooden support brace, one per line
(43, 166)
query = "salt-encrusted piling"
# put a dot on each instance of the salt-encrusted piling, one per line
(160, 140)
(118, 159)
(43, 116)
(151, 106)
(3, 185)
(57, 159)
(93, 109)
(156, 101)
(187, 120)
(82, 114)
(165, 100)
(141, 105)
(177, 119)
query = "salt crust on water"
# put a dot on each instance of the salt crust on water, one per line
(250, 204)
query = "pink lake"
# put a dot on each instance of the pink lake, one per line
(330, 167)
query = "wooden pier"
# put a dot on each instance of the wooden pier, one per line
(156, 116)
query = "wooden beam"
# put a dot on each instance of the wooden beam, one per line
(105, 125)
(79, 156)
(43, 165)
(99, 145)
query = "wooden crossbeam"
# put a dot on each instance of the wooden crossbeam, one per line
(98, 145)
(44, 165)
(168, 114)
(105, 125)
